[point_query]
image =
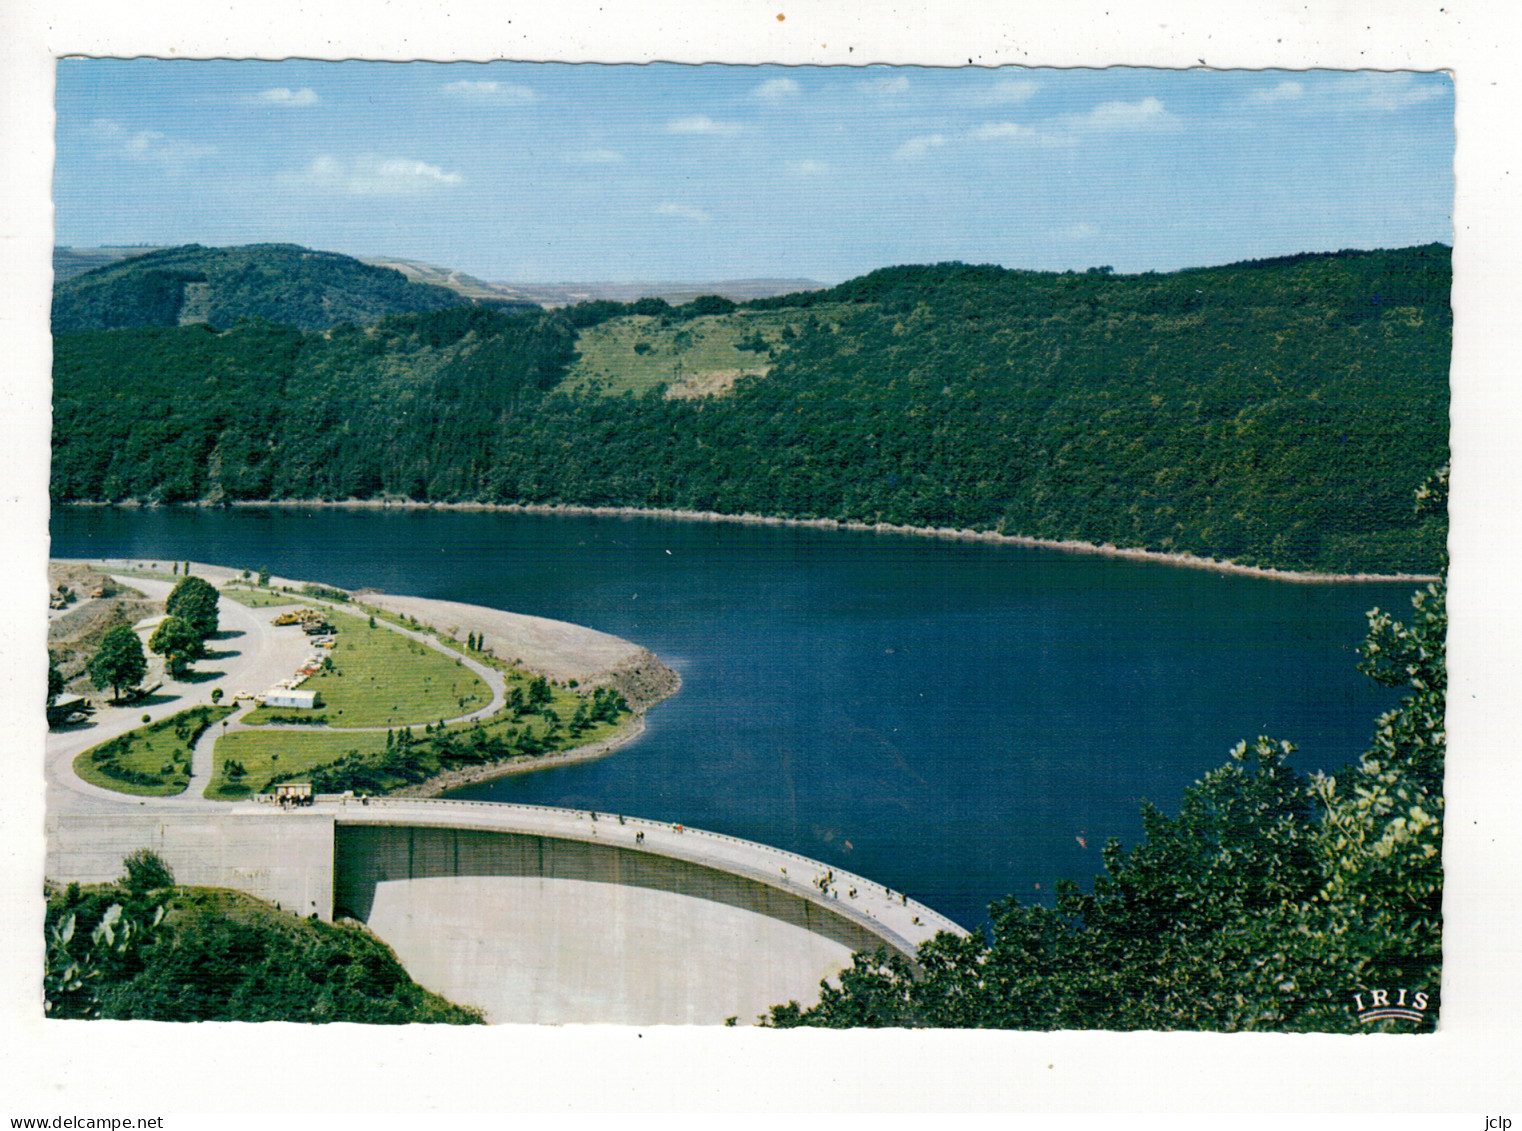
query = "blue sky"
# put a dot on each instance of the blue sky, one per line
(539, 172)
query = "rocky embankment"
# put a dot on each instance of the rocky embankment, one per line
(642, 679)
(74, 632)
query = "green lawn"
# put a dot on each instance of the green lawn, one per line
(682, 351)
(152, 761)
(424, 675)
(267, 754)
(382, 678)
(160, 575)
(259, 598)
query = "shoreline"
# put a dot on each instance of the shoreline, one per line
(944, 533)
(449, 620)
(442, 783)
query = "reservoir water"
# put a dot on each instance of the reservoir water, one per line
(958, 721)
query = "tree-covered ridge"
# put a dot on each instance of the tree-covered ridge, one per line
(284, 283)
(264, 411)
(1276, 413)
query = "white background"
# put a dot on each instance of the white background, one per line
(142, 1069)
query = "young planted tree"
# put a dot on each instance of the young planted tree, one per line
(119, 663)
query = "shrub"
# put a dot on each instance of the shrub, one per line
(146, 871)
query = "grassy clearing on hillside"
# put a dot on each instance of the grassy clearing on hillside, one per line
(636, 352)
(382, 678)
(152, 761)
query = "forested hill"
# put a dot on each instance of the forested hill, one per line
(1275, 413)
(284, 283)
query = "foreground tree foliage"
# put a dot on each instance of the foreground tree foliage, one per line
(141, 949)
(1266, 903)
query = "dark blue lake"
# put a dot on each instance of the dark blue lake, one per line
(948, 719)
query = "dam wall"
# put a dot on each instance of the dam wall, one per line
(536, 929)
(282, 857)
(532, 914)
(368, 856)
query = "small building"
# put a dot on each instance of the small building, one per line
(288, 697)
(294, 792)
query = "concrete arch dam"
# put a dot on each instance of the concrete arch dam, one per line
(534, 914)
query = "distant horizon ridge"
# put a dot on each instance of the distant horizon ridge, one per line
(803, 282)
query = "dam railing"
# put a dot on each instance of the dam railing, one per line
(883, 910)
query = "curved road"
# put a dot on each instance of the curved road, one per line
(202, 760)
(248, 654)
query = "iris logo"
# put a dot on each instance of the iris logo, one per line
(1379, 1007)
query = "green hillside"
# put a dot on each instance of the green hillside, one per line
(1275, 413)
(220, 955)
(71, 261)
(283, 283)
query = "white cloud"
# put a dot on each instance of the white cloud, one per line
(1148, 113)
(372, 176)
(701, 124)
(1386, 92)
(776, 90)
(886, 84)
(1016, 132)
(917, 147)
(1005, 92)
(1286, 91)
(1082, 230)
(1067, 130)
(987, 135)
(1375, 92)
(595, 157)
(683, 212)
(808, 168)
(284, 96)
(489, 92)
(148, 146)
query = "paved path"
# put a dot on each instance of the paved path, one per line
(203, 760)
(250, 654)
(247, 652)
